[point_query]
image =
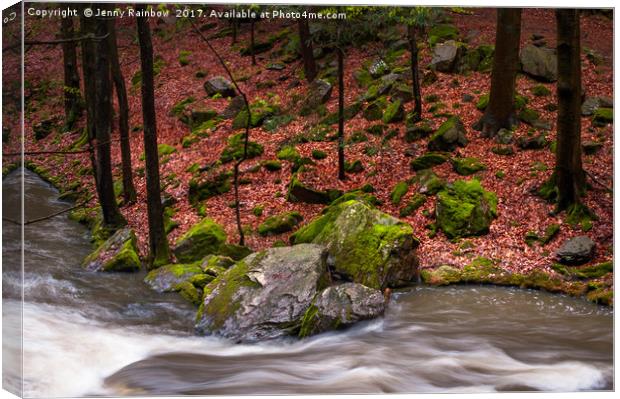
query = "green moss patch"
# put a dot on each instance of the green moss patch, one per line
(204, 238)
(235, 148)
(280, 223)
(428, 160)
(467, 166)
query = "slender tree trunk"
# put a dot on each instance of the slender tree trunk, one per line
(415, 76)
(341, 171)
(73, 106)
(103, 116)
(88, 56)
(252, 42)
(570, 175)
(307, 52)
(129, 191)
(158, 242)
(500, 112)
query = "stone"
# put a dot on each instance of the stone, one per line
(119, 253)
(319, 92)
(591, 104)
(539, 62)
(602, 117)
(281, 223)
(537, 142)
(504, 136)
(43, 129)
(365, 245)
(418, 131)
(378, 68)
(428, 160)
(236, 105)
(591, 147)
(394, 112)
(299, 192)
(166, 278)
(446, 56)
(465, 209)
(467, 166)
(342, 306)
(576, 251)
(220, 85)
(235, 149)
(451, 134)
(428, 182)
(265, 295)
(442, 32)
(275, 66)
(374, 110)
(202, 239)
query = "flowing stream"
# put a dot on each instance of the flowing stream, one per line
(108, 334)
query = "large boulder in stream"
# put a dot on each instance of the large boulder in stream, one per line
(365, 245)
(341, 306)
(118, 253)
(206, 238)
(265, 295)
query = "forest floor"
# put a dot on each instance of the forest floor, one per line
(519, 209)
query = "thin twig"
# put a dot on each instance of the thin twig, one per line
(247, 129)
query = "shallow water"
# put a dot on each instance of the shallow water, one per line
(94, 334)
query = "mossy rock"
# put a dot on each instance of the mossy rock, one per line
(464, 209)
(503, 150)
(366, 245)
(541, 91)
(260, 111)
(451, 134)
(428, 160)
(428, 182)
(441, 33)
(235, 149)
(204, 238)
(265, 295)
(234, 251)
(416, 202)
(348, 113)
(394, 112)
(258, 48)
(318, 154)
(119, 253)
(418, 131)
(165, 278)
(272, 165)
(528, 116)
(288, 153)
(214, 265)
(354, 167)
(200, 190)
(467, 166)
(281, 223)
(374, 111)
(299, 192)
(399, 191)
(603, 116)
(189, 292)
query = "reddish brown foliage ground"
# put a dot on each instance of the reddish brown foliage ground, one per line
(519, 210)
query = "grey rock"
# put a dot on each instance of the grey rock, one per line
(265, 295)
(378, 68)
(319, 93)
(220, 85)
(539, 62)
(591, 104)
(446, 56)
(166, 278)
(235, 106)
(451, 134)
(576, 251)
(342, 306)
(276, 66)
(504, 136)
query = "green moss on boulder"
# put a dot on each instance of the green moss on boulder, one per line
(603, 116)
(467, 166)
(451, 134)
(119, 253)
(166, 278)
(366, 245)
(394, 112)
(428, 160)
(280, 223)
(464, 209)
(204, 238)
(235, 148)
(399, 191)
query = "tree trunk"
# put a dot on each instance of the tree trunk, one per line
(307, 52)
(129, 191)
(88, 57)
(73, 106)
(415, 76)
(252, 42)
(103, 112)
(158, 243)
(569, 171)
(500, 112)
(341, 171)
